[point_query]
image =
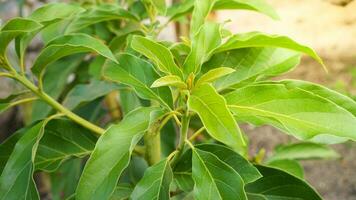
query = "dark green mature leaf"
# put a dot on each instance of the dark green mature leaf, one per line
(302, 151)
(252, 64)
(138, 74)
(87, 92)
(288, 165)
(68, 45)
(54, 82)
(155, 183)
(257, 39)
(111, 155)
(245, 169)
(217, 119)
(7, 147)
(339, 99)
(204, 43)
(14, 28)
(202, 8)
(296, 111)
(215, 179)
(16, 180)
(260, 6)
(62, 140)
(157, 53)
(46, 15)
(183, 170)
(97, 14)
(276, 184)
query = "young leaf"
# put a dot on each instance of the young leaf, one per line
(87, 92)
(253, 5)
(159, 54)
(252, 64)
(111, 155)
(257, 39)
(62, 140)
(296, 111)
(138, 74)
(170, 80)
(16, 180)
(214, 179)
(68, 45)
(14, 28)
(288, 165)
(276, 184)
(155, 183)
(202, 8)
(217, 119)
(97, 14)
(214, 74)
(302, 151)
(204, 43)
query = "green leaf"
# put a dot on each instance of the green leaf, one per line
(288, 165)
(16, 180)
(276, 184)
(214, 179)
(293, 110)
(257, 39)
(46, 15)
(214, 74)
(97, 14)
(170, 80)
(252, 64)
(62, 140)
(7, 147)
(245, 169)
(157, 53)
(217, 119)
(111, 155)
(122, 192)
(82, 93)
(207, 39)
(333, 96)
(202, 8)
(155, 183)
(54, 82)
(13, 28)
(138, 74)
(67, 45)
(160, 5)
(260, 6)
(9, 102)
(55, 11)
(303, 151)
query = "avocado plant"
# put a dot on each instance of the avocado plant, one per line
(118, 113)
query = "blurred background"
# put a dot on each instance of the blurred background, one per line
(329, 26)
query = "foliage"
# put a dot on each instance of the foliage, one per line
(173, 132)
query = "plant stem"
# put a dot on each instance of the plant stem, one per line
(152, 140)
(49, 100)
(183, 137)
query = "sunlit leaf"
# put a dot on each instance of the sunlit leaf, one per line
(170, 80)
(214, 74)
(288, 165)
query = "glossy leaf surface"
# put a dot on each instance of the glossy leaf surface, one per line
(217, 119)
(156, 182)
(111, 156)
